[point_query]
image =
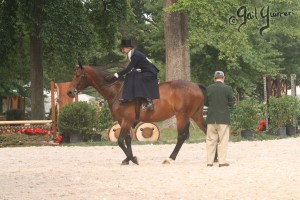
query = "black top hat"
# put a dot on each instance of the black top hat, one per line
(126, 43)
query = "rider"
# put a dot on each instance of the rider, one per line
(141, 76)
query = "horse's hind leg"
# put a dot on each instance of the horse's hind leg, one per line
(183, 133)
(198, 118)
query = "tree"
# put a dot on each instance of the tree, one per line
(14, 74)
(53, 36)
(238, 49)
(176, 40)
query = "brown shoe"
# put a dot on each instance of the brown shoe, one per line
(224, 165)
(209, 165)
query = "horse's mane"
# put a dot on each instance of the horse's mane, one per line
(107, 70)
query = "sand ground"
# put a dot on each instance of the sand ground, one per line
(258, 170)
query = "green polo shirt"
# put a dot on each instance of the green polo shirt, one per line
(219, 101)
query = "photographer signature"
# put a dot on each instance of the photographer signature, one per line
(264, 13)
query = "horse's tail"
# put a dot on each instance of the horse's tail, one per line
(202, 87)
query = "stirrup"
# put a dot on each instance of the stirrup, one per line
(149, 106)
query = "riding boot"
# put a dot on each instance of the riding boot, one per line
(150, 105)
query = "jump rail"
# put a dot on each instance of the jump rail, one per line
(26, 122)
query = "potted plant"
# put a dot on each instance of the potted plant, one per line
(77, 120)
(246, 116)
(282, 112)
(294, 110)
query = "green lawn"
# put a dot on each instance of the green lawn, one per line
(167, 136)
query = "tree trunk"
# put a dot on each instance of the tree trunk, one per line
(36, 77)
(177, 49)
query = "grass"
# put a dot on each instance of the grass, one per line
(17, 139)
(167, 136)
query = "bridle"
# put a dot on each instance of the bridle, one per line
(82, 78)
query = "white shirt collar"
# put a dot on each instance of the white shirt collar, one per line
(130, 54)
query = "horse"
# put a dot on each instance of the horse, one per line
(181, 98)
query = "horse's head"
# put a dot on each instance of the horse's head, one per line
(79, 81)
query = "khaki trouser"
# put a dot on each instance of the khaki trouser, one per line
(217, 137)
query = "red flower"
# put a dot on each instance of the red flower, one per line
(38, 131)
(58, 139)
(263, 123)
(28, 131)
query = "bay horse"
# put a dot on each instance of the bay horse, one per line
(184, 99)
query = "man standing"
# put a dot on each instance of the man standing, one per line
(219, 101)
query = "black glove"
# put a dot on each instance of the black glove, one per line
(110, 78)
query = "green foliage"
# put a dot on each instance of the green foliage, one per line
(78, 117)
(107, 17)
(247, 114)
(17, 139)
(14, 114)
(90, 31)
(105, 118)
(13, 50)
(13, 88)
(167, 136)
(68, 36)
(246, 55)
(283, 110)
(84, 118)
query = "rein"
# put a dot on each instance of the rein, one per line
(106, 85)
(117, 94)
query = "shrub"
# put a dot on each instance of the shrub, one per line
(282, 110)
(84, 118)
(105, 119)
(247, 114)
(78, 117)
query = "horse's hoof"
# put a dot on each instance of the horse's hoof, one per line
(167, 161)
(125, 162)
(135, 160)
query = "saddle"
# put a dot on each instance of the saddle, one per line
(140, 104)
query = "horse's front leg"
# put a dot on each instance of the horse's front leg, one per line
(129, 150)
(125, 136)
(183, 134)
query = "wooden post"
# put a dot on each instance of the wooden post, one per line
(266, 96)
(268, 87)
(53, 107)
(294, 93)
